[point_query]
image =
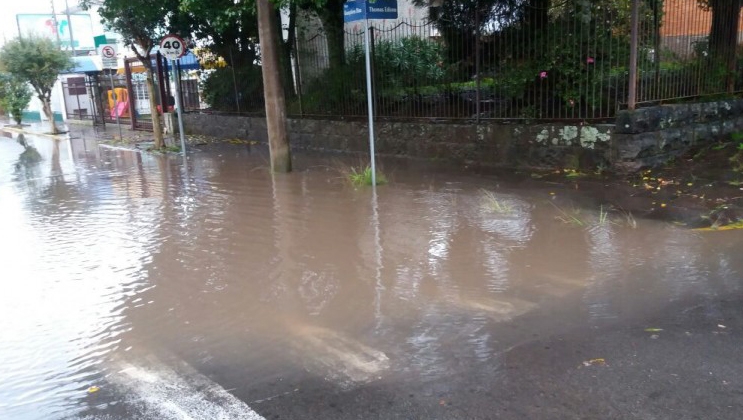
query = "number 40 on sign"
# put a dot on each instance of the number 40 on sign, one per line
(172, 47)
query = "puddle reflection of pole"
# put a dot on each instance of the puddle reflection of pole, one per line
(56, 171)
(186, 178)
(70, 151)
(378, 286)
(282, 241)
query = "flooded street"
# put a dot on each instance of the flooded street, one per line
(137, 286)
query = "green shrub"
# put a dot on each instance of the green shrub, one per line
(403, 67)
(218, 89)
(408, 63)
(15, 95)
(338, 91)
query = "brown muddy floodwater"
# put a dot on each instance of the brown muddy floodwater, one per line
(259, 282)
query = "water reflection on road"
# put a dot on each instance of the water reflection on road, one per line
(110, 255)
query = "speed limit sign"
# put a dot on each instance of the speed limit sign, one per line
(172, 47)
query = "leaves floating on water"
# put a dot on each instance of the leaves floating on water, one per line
(238, 141)
(595, 362)
(653, 330)
(571, 173)
(93, 389)
(732, 226)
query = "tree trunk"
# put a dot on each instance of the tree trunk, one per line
(46, 106)
(723, 37)
(332, 21)
(17, 115)
(273, 90)
(536, 14)
(157, 128)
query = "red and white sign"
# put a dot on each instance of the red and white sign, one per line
(108, 56)
(172, 47)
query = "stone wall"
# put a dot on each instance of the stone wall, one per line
(652, 136)
(489, 144)
(642, 138)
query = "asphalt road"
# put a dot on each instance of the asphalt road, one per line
(681, 362)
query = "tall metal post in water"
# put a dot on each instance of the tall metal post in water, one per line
(370, 105)
(478, 83)
(176, 64)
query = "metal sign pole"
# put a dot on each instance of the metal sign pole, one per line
(116, 103)
(370, 104)
(178, 104)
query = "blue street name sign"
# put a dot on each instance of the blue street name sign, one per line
(354, 10)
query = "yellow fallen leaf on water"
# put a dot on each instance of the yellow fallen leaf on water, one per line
(733, 226)
(595, 362)
(93, 389)
(653, 329)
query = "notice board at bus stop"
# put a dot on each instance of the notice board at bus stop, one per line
(354, 10)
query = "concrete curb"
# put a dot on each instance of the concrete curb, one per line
(35, 133)
(122, 148)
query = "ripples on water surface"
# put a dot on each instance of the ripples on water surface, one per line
(110, 255)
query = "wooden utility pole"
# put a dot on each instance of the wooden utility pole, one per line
(273, 90)
(55, 24)
(69, 27)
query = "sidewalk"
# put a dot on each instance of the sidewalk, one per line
(34, 129)
(128, 137)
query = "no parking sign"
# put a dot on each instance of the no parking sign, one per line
(108, 56)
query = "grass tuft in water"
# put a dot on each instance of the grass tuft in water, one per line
(572, 217)
(606, 216)
(363, 177)
(603, 216)
(628, 218)
(165, 149)
(492, 204)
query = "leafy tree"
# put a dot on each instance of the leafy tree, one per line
(15, 96)
(723, 37)
(227, 34)
(221, 85)
(228, 28)
(330, 13)
(460, 21)
(38, 61)
(141, 23)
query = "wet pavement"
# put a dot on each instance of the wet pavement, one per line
(139, 286)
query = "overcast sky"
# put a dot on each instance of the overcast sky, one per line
(10, 8)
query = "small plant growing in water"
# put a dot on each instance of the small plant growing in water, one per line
(606, 216)
(603, 216)
(363, 177)
(492, 204)
(569, 217)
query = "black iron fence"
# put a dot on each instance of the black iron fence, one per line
(570, 60)
(82, 98)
